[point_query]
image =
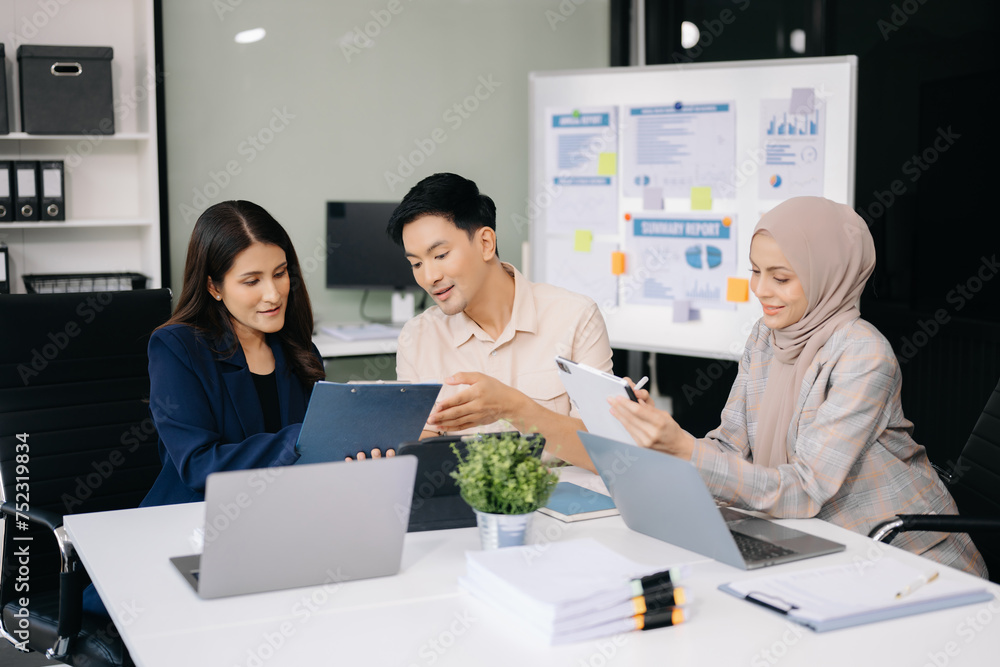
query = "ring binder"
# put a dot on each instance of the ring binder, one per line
(4, 269)
(51, 198)
(6, 190)
(25, 191)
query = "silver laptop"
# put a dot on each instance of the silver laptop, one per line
(664, 497)
(290, 526)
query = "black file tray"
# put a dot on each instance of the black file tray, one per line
(51, 283)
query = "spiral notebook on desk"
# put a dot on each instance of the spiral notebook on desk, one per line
(860, 592)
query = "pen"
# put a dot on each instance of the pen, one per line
(641, 383)
(917, 583)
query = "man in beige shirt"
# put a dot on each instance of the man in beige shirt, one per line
(492, 336)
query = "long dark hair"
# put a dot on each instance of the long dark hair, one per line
(221, 233)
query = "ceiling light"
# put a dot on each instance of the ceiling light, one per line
(250, 36)
(689, 34)
(797, 40)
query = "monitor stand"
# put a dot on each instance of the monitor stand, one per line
(402, 307)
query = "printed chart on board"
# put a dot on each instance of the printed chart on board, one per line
(678, 147)
(685, 257)
(581, 169)
(792, 134)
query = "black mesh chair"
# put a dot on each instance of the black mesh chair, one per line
(974, 481)
(75, 436)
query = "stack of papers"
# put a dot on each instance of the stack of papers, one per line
(841, 596)
(565, 591)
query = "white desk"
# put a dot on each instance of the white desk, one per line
(421, 617)
(335, 347)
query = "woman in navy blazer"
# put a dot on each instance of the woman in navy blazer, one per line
(231, 371)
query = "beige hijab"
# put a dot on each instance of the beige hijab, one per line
(831, 250)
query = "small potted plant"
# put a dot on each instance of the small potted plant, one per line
(503, 479)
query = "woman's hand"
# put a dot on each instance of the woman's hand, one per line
(376, 454)
(641, 394)
(652, 427)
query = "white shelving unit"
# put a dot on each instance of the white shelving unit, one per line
(111, 181)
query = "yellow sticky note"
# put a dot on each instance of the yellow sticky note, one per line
(701, 199)
(582, 239)
(737, 289)
(607, 164)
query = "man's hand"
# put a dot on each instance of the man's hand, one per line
(484, 401)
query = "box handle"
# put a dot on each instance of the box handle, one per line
(66, 69)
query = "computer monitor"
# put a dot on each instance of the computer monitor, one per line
(360, 253)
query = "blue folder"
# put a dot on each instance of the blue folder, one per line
(344, 419)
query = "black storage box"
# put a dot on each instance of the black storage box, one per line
(66, 89)
(4, 122)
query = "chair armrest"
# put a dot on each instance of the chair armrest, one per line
(50, 520)
(71, 575)
(946, 475)
(938, 523)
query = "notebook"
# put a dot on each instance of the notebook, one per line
(437, 503)
(571, 502)
(866, 591)
(285, 527)
(344, 419)
(664, 497)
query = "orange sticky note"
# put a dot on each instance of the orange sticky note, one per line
(617, 263)
(582, 239)
(737, 289)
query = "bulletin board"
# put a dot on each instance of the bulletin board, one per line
(646, 184)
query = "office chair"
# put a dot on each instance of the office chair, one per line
(75, 436)
(974, 481)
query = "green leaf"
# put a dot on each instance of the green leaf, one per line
(500, 474)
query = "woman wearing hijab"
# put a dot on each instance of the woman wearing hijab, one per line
(813, 426)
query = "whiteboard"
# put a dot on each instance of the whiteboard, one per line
(748, 89)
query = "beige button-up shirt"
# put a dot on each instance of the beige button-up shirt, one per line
(546, 321)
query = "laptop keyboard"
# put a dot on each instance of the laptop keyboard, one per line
(755, 550)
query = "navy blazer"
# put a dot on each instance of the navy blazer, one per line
(208, 415)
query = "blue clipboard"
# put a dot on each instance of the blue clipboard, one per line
(344, 419)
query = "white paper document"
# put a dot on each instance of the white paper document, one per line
(581, 170)
(678, 147)
(860, 592)
(792, 135)
(684, 257)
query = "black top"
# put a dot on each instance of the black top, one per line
(267, 392)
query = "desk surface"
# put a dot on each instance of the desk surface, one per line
(421, 617)
(330, 346)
